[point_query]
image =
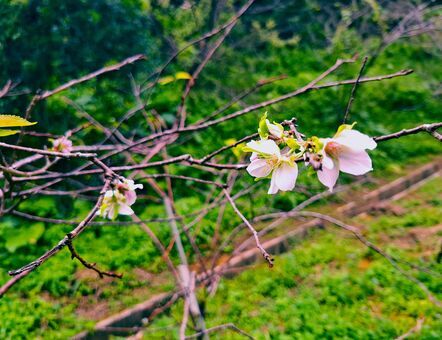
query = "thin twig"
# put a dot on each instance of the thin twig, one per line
(221, 327)
(378, 250)
(92, 266)
(353, 90)
(264, 253)
(430, 128)
(92, 75)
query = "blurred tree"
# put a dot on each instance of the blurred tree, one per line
(50, 41)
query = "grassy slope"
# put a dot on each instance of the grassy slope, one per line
(331, 286)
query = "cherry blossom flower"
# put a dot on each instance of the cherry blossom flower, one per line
(345, 152)
(62, 144)
(127, 187)
(267, 159)
(119, 200)
(114, 204)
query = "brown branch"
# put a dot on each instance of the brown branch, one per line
(375, 248)
(416, 329)
(70, 236)
(92, 75)
(353, 90)
(221, 327)
(227, 147)
(184, 178)
(311, 86)
(264, 253)
(159, 246)
(429, 128)
(6, 88)
(181, 113)
(205, 36)
(241, 96)
(47, 152)
(4, 289)
(92, 266)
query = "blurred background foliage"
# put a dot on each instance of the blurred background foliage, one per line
(44, 43)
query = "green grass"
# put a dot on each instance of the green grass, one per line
(332, 287)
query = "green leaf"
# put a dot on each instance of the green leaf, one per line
(178, 76)
(166, 80)
(19, 237)
(4, 133)
(344, 127)
(263, 130)
(182, 75)
(10, 120)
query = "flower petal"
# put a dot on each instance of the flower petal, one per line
(327, 162)
(131, 197)
(285, 176)
(355, 140)
(354, 162)
(275, 130)
(273, 188)
(125, 210)
(329, 176)
(259, 168)
(268, 147)
(253, 156)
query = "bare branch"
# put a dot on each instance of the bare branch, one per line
(429, 128)
(221, 327)
(264, 253)
(378, 250)
(92, 75)
(353, 90)
(92, 266)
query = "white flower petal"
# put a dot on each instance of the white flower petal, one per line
(110, 212)
(285, 176)
(253, 156)
(355, 140)
(125, 210)
(329, 176)
(273, 188)
(327, 162)
(259, 168)
(268, 147)
(274, 129)
(131, 197)
(354, 162)
(108, 194)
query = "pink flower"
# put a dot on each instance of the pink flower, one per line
(127, 187)
(114, 204)
(267, 159)
(345, 152)
(118, 201)
(62, 144)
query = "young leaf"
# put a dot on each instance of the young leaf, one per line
(344, 127)
(4, 133)
(182, 75)
(166, 80)
(10, 120)
(263, 130)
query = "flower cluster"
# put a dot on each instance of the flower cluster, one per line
(118, 201)
(276, 154)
